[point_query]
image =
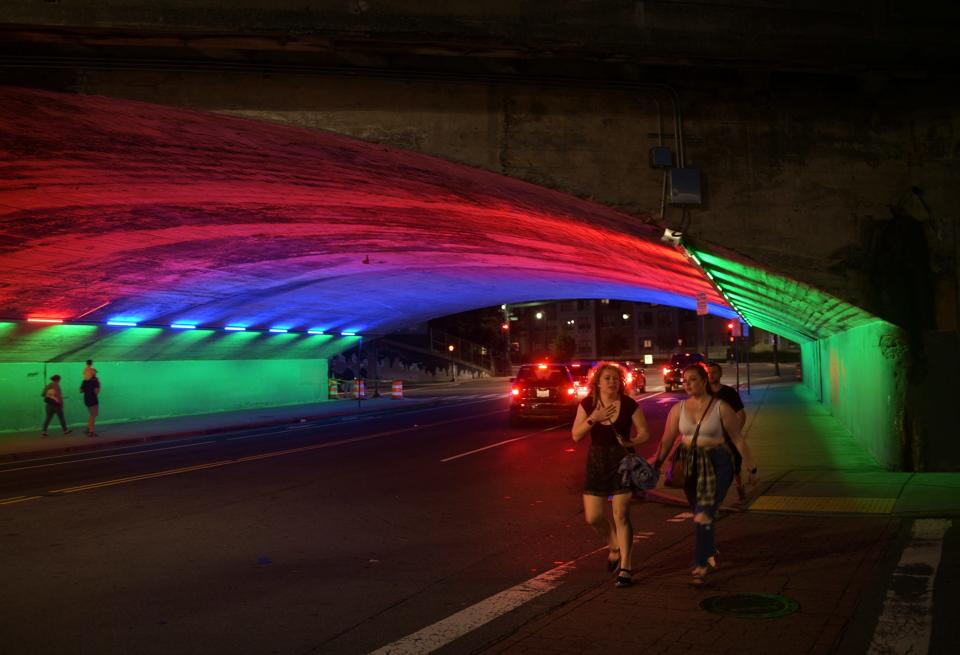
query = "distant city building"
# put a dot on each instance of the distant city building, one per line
(593, 329)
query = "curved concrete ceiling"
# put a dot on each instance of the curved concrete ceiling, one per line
(119, 210)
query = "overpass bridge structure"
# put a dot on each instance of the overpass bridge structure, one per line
(213, 201)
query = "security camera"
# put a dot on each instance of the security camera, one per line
(672, 237)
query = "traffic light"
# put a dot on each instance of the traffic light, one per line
(730, 331)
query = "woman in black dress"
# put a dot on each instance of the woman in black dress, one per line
(615, 424)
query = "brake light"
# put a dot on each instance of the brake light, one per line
(629, 378)
(515, 391)
(571, 391)
(666, 370)
(542, 367)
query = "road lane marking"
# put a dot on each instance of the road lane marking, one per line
(93, 459)
(441, 633)
(906, 620)
(501, 443)
(653, 395)
(249, 458)
(17, 499)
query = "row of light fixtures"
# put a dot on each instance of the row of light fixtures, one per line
(190, 326)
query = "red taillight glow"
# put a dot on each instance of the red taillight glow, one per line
(629, 378)
(571, 391)
(515, 391)
(666, 370)
(542, 367)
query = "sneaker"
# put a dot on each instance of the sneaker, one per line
(66, 432)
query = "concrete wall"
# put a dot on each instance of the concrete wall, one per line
(860, 375)
(154, 372)
(153, 389)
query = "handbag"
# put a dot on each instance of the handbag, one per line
(681, 469)
(636, 472)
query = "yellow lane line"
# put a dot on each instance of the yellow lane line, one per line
(241, 460)
(17, 499)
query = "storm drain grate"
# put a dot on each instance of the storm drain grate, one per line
(751, 606)
(824, 504)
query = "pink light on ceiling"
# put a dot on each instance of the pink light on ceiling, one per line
(176, 215)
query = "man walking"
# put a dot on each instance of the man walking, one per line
(53, 401)
(732, 398)
(90, 388)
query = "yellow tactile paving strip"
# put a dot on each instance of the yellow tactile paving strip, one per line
(823, 504)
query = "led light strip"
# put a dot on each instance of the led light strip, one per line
(186, 326)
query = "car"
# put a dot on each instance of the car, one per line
(634, 377)
(580, 371)
(674, 368)
(544, 390)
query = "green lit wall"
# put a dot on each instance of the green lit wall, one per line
(153, 372)
(139, 390)
(860, 375)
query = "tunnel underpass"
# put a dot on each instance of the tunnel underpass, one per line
(188, 251)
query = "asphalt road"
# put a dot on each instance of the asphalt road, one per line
(332, 537)
(336, 537)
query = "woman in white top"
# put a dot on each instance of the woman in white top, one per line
(710, 465)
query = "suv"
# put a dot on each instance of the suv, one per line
(543, 390)
(674, 368)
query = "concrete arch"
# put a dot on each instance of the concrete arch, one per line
(118, 210)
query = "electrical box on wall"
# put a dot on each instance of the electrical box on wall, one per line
(684, 186)
(661, 157)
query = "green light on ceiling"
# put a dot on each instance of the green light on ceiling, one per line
(778, 304)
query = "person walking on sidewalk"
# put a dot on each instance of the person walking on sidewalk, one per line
(730, 396)
(615, 424)
(90, 388)
(709, 465)
(53, 402)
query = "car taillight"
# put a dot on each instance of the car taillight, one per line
(571, 391)
(629, 378)
(515, 391)
(666, 370)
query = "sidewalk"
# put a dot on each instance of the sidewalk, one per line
(823, 528)
(809, 463)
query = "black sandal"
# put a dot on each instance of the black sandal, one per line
(624, 580)
(613, 564)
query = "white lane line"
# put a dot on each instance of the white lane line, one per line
(455, 626)
(501, 443)
(653, 395)
(906, 621)
(526, 436)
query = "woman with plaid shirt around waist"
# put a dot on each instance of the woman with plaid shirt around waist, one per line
(710, 465)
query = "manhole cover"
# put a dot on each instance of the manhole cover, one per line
(751, 606)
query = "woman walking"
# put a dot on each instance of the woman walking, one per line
(615, 424)
(709, 462)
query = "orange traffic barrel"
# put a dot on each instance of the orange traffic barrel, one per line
(332, 391)
(396, 392)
